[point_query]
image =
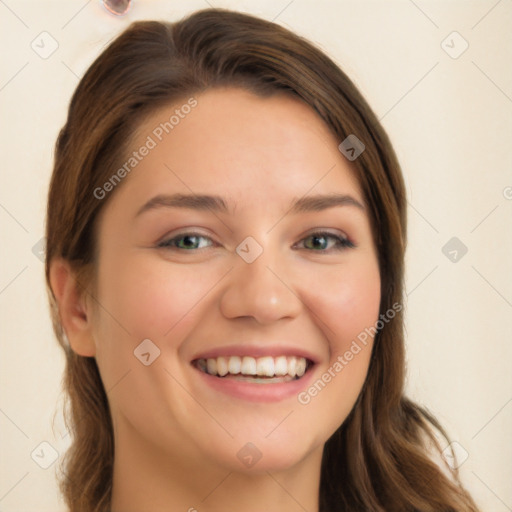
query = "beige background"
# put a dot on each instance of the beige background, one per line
(451, 122)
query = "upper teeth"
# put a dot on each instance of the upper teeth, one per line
(263, 366)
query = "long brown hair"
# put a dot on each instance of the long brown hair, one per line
(378, 459)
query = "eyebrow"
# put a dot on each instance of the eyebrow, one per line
(312, 203)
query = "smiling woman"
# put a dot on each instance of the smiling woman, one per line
(231, 309)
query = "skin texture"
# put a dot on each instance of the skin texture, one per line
(176, 438)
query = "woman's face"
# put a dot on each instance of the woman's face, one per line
(264, 270)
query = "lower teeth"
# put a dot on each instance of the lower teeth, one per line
(254, 378)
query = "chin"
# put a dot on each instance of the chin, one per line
(252, 453)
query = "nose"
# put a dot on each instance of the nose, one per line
(261, 290)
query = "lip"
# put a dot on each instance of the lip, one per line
(254, 392)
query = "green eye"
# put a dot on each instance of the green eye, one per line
(316, 242)
(186, 242)
(320, 242)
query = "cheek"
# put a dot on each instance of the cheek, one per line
(152, 298)
(346, 302)
(145, 298)
(346, 307)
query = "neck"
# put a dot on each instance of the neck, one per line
(145, 478)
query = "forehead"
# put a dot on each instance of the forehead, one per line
(240, 146)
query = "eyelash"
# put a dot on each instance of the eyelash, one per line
(341, 243)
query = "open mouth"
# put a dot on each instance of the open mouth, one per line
(260, 370)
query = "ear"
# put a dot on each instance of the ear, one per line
(75, 318)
